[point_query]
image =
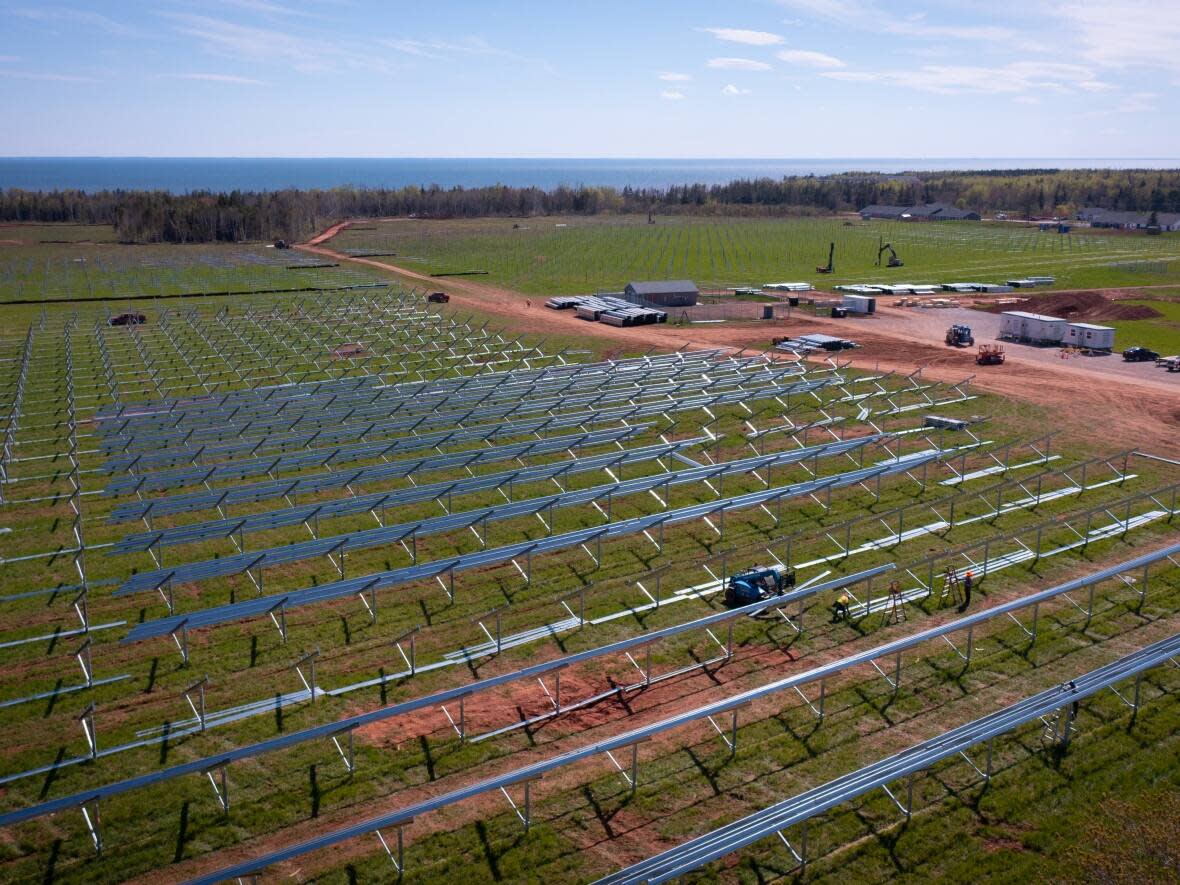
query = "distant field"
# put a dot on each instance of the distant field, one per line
(86, 269)
(568, 255)
(65, 232)
(1161, 334)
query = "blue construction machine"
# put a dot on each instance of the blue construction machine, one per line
(756, 584)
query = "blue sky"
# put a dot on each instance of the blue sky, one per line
(746, 78)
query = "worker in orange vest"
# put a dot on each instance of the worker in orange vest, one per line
(968, 583)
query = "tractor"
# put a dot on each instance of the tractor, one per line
(960, 335)
(756, 584)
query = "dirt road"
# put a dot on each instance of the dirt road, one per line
(1137, 407)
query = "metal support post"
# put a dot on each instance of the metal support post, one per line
(397, 860)
(198, 707)
(348, 756)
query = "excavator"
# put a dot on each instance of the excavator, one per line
(829, 267)
(894, 261)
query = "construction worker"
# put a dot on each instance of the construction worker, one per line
(840, 609)
(968, 582)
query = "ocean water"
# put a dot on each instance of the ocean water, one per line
(185, 174)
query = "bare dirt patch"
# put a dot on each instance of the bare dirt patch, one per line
(1084, 305)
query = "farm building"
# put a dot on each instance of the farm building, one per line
(890, 212)
(667, 293)
(939, 212)
(1110, 218)
(1089, 336)
(1032, 327)
(923, 212)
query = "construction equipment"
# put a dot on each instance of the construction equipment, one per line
(829, 267)
(1140, 355)
(127, 319)
(281, 244)
(756, 584)
(893, 261)
(990, 355)
(438, 297)
(960, 335)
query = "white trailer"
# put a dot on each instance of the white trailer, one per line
(1034, 327)
(860, 303)
(1089, 336)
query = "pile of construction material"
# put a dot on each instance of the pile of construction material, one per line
(933, 288)
(926, 303)
(812, 342)
(787, 287)
(608, 309)
(890, 289)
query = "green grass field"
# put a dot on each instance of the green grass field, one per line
(570, 255)
(90, 267)
(1039, 820)
(1161, 334)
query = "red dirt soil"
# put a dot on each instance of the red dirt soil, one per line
(1082, 305)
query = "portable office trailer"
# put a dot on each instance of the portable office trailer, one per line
(1090, 336)
(1033, 327)
(860, 303)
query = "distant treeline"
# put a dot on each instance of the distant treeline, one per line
(158, 216)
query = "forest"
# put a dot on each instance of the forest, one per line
(198, 217)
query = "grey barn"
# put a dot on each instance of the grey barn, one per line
(667, 293)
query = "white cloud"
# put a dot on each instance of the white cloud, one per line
(53, 78)
(737, 64)
(220, 78)
(740, 35)
(82, 17)
(980, 33)
(265, 7)
(867, 15)
(672, 95)
(673, 77)
(1011, 79)
(1138, 103)
(441, 49)
(840, 10)
(229, 38)
(851, 76)
(1130, 33)
(809, 59)
(303, 54)
(730, 89)
(1027, 99)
